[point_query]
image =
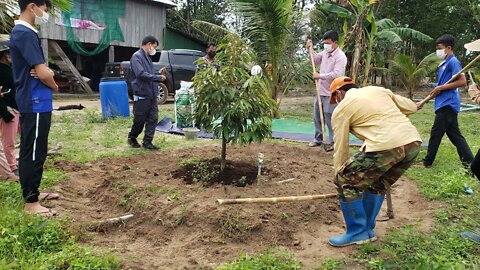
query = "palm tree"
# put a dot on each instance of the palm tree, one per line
(9, 9)
(267, 25)
(411, 74)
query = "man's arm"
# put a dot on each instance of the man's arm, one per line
(317, 58)
(461, 81)
(406, 105)
(45, 75)
(140, 72)
(341, 131)
(338, 70)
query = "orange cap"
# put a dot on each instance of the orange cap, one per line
(337, 84)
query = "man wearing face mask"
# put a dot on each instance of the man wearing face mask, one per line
(145, 92)
(332, 65)
(34, 84)
(211, 52)
(447, 104)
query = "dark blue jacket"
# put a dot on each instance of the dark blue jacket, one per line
(144, 79)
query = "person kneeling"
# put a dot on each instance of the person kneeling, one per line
(391, 144)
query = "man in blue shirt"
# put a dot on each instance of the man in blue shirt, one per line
(447, 104)
(145, 92)
(34, 84)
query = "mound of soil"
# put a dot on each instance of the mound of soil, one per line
(179, 226)
(208, 172)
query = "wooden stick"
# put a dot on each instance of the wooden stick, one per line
(104, 225)
(319, 100)
(454, 77)
(286, 181)
(276, 199)
(388, 196)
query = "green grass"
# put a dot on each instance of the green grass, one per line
(85, 136)
(270, 259)
(32, 242)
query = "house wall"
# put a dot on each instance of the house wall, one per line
(141, 19)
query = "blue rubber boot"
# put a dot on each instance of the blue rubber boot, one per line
(372, 204)
(356, 224)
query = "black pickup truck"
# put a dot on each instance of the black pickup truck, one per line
(180, 65)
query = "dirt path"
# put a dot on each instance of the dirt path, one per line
(179, 226)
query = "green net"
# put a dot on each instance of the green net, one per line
(103, 13)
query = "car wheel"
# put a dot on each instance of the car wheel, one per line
(162, 93)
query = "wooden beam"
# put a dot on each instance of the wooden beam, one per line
(44, 43)
(58, 50)
(111, 54)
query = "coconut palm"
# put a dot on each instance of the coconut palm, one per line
(411, 74)
(9, 9)
(268, 26)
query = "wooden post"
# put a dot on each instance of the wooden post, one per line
(111, 54)
(44, 43)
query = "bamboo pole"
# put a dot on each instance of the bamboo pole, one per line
(276, 199)
(319, 100)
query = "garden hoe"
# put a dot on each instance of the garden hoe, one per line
(320, 105)
(473, 47)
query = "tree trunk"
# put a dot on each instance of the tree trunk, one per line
(224, 153)
(356, 55)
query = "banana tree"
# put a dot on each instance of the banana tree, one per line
(355, 11)
(386, 30)
(411, 74)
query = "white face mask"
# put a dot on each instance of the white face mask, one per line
(328, 47)
(441, 53)
(41, 20)
(153, 52)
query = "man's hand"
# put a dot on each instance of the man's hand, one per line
(163, 70)
(163, 78)
(436, 91)
(316, 76)
(419, 106)
(309, 44)
(33, 73)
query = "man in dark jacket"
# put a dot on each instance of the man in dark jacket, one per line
(145, 92)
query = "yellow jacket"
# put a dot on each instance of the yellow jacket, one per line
(377, 117)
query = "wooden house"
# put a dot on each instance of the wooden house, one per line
(138, 19)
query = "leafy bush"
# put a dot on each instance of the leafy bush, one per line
(231, 103)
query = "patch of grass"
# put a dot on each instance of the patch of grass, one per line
(33, 242)
(329, 264)
(86, 137)
(270, 259)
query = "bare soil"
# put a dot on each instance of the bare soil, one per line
(178, 225)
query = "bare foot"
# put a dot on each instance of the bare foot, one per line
(37, 209)
(48, 196)
(13, 177)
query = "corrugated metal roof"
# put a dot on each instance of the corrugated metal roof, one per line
(166, 2)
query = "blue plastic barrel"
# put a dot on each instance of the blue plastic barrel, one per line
(114, 98)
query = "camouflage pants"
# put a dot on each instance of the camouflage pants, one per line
(374, 172)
